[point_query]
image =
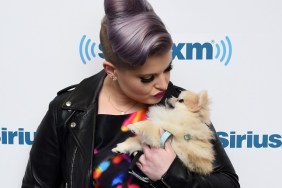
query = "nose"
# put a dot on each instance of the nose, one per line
(162, 82)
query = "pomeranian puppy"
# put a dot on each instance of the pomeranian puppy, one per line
(187, 119)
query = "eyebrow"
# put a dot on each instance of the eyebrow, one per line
(155, 73)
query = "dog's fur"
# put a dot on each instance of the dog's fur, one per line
(188, 122)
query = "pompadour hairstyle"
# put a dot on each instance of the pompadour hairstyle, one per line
(131, 32)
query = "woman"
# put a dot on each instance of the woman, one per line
(84, 122)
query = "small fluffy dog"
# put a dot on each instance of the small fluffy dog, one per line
(187, 121)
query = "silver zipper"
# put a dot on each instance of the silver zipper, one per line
(72, 165)
(162, 179)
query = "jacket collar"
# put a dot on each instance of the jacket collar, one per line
(86, 93)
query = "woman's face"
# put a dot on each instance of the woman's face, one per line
(148, 83)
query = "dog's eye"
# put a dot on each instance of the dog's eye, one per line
(181, 100)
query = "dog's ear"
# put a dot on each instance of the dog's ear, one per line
(204, 109)
(203, 99)
(191, 100)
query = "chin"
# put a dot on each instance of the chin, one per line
(153, 101)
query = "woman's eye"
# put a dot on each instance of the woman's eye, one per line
(147, 79)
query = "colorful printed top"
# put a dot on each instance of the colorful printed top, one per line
(109, 169)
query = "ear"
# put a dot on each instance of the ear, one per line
(204, 103)
(191, 100)
(203, 99)
(109, 69)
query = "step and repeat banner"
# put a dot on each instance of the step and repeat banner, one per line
(230, 48)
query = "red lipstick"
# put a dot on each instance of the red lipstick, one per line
(160, 94)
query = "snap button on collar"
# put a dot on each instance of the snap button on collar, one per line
(68, 103)
(73, 124)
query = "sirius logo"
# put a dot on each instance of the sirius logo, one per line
(86, 48)
(250, 140)
(187, 51)
(220, 51)
(20, 137)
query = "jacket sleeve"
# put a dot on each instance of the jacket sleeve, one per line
(43, 168)
(223, 175)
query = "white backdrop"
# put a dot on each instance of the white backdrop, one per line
(40, 43)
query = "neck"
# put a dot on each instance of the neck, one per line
(118, 100)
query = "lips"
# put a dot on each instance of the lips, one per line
(160, 94)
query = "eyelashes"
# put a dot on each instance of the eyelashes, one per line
(147, 80)
(169, 68)
(150, 78)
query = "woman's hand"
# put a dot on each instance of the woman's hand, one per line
(156, 161)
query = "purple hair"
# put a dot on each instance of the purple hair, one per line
(131, 32)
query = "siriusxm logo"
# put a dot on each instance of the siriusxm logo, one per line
(220, 51)
(250, 140)
(19, 136)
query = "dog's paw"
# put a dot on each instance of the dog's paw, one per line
(133, 128)
(121, 148)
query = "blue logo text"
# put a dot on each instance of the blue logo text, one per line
(20, 136)
(250, 140)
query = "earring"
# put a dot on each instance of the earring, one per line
(114, 78)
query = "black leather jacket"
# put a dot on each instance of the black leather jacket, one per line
(61, 155)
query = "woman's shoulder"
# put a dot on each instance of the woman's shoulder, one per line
(83, 90)
(85, 82)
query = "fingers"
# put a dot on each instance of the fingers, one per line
(154, 161)
(146, 148)
(168, 146)
(139, 165)
(166, 137)
(141, 161)
(161, 131)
